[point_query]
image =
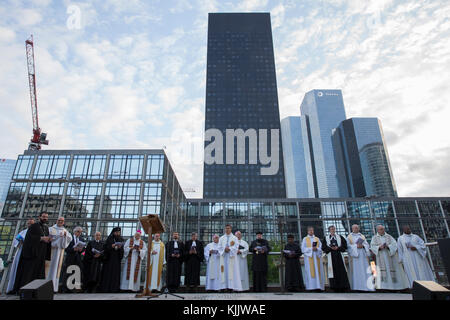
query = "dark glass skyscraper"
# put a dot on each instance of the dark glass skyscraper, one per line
(241, 93)
(362, 160)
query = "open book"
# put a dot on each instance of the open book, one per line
(80, 245)
(95, 251)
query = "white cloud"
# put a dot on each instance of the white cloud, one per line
(252, 5)
(169, 98)
(7, 35)
(28, 17)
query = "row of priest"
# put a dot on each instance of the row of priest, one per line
(116, 265)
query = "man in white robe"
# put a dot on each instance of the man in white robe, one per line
(17, 243)
(135, 252)
(229, 263)
(412, 253)
(312, 253)
(212, 258)
(157, 261)
(60, 240)
(360, 272)
(390, 274)
(242, 257)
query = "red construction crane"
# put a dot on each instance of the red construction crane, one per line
(38, 138)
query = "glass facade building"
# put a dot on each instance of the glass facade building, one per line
(296, 175)
(323, 111)
(241, 93)
(6, 171)
(362, 160)
(94, 189)
(429, 218)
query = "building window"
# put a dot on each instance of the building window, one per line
(88, 167)
(23, 167)
(51, 167)
(14, 199)
(155, 166)
(125, 167)
(152, 198)
(121, 201)
(44, 196)
(82, 200)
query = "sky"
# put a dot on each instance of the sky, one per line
(132, 74)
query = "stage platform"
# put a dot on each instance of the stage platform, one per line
(234, 296)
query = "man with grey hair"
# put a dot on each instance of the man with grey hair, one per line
(93, 263)
(212, 258)
(74, 253)
(360, 273)
(390, 274)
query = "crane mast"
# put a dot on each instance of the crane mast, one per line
(38, 138)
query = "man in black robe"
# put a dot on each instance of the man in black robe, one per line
(36, 249)
(93, 263)
(333, 245)
(194, 255)
(260, 249)
(113, 254)
(293, 277)
(174, 259)
(74, 254)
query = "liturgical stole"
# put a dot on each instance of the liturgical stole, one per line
(312, 270)
(138, 262)
(161, 261)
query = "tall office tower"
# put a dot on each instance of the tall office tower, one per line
(297, 176)
(241, 93)
(362, 159)
(322, 111)
(6, 172)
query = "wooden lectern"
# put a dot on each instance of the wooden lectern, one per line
(152, 224)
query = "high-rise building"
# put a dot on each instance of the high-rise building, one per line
(297, 176)
(241, 93)
(322, 111)
(6, 171)
(363, 167)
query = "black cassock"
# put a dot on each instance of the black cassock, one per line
(73, 258)
(339, 282)
(259, 265)
(111, 266)
(192, 263)
(32, 259)
(293, 276)
(92, 265)
(174, 264)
